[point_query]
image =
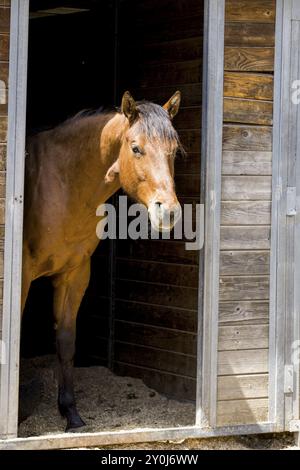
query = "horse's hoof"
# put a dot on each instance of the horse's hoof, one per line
(74, 424)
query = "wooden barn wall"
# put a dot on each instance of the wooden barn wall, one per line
(155, 311)
(246, 213)
(4, 54)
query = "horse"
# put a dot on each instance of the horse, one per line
(69, 171)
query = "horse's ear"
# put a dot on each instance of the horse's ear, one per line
(172, 106)
(128, 107)
(112, 172)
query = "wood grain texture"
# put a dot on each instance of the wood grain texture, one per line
(245, 238)
(240, 387)
(158, 272)
(172, 74)
(164, 251)
(246, 188)
(154, 337)
(4, 19)
(248, 85)
(4, 47)
(260, 11)
(244, 288)
(181, 297)
(173, 51)
(165, 361)
(155, 315)
(249, 59)
(249, 34)
(3, 129)
(191, 94)
(240, 138)
(246, 213)
(247, 163)
(233, 263)
(242, 311)
(244, 111)
(240, 337)
(2, 157)
(253, 361)
(242, 411)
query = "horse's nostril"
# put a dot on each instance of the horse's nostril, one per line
(158, 204)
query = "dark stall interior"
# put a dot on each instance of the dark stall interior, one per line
(139, 315)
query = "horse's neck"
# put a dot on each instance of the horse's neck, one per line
(97, 144)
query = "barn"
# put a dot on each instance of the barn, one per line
(217, 327)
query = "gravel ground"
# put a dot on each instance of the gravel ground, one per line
(105, 402)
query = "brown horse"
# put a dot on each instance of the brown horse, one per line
(70, 170)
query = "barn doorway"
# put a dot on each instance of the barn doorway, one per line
(137, 325)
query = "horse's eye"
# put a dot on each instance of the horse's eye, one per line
(136, 150)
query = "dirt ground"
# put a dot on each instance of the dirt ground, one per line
(106, 402)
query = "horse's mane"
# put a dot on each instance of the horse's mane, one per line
(153, 121)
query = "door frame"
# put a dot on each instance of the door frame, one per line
(17, 93)
(213, 72)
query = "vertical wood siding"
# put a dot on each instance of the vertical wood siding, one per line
(246, 211)
(4, 53)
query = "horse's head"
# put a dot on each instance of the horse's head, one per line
(146, 161)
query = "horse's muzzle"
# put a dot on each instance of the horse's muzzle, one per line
(163, 217)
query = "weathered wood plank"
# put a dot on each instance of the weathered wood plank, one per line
(4, 19)
(165, 251)
(249, 411)
(248, 85)
(191, 140)
(249, 59)
(187, 185)
(4, 47)
(247, 163)
(162, 273)
(241, 337)
(189, 118)
(245, 238)
(2, 157)
(154, 337)
(246, 188)
(254, 361)
(244, 288)
(181, 297)
(172, 74)
(163, 29)
(240, 138)
(3, 129)
(155, 315)
(4, 73)
(2, 184)
(243, 311)
(177, 9)
(261, 11)
(246, 213)
(165, 361)
(234, 263)
(240, 387)
(170, 384)
(191, 94)
(249, 34)
(248, 111)
(173, 51)
(2, 212)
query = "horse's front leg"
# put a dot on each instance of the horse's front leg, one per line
(69, 289)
